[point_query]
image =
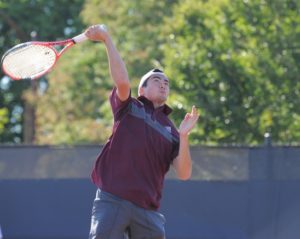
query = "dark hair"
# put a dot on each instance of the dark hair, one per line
(145, 83)
(153, 70)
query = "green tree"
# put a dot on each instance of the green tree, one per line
(3, 119)
(238, 61)
(19, 20)
(75, 108)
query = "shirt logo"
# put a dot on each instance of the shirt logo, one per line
(168, 128)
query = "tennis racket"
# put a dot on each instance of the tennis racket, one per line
(31, 60)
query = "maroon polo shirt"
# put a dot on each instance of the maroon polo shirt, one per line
(133, 163)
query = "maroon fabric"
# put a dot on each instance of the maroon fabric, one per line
(137, 155)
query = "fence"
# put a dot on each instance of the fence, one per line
(234, 193)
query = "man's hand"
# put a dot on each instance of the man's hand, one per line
(183, 162)
(97, 33)
(188, 122)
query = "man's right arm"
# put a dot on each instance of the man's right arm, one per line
(117, 67)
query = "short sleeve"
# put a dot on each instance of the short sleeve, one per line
(118, 106)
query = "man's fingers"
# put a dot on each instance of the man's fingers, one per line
(194, 110)
(187, 116)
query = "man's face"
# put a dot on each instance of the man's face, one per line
(156, 89)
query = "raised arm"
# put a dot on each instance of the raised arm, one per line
(117, 67)
(183, 162)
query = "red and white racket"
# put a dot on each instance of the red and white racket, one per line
(31, 60)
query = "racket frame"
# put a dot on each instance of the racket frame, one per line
(51, 45)
(66, 43)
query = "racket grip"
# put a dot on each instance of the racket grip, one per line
(80, 38)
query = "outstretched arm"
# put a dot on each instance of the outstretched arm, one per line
(117, 67)
(183, 162)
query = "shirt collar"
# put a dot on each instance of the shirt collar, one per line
(164, 108)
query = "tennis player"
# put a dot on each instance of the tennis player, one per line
(129, 172)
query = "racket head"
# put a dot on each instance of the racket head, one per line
(29, 60)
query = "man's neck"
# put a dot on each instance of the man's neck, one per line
(157, 104)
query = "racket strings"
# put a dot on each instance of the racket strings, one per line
(29, 60)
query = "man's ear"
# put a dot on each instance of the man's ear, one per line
(141, 91)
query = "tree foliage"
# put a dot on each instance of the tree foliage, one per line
(238, 62)
(76, 102)
(21, 20)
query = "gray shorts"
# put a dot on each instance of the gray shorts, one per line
(115, 218)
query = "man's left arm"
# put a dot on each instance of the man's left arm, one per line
(183, 162)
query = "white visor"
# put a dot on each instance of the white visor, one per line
(149, 74)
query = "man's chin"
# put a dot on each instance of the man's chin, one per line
(163, 100)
